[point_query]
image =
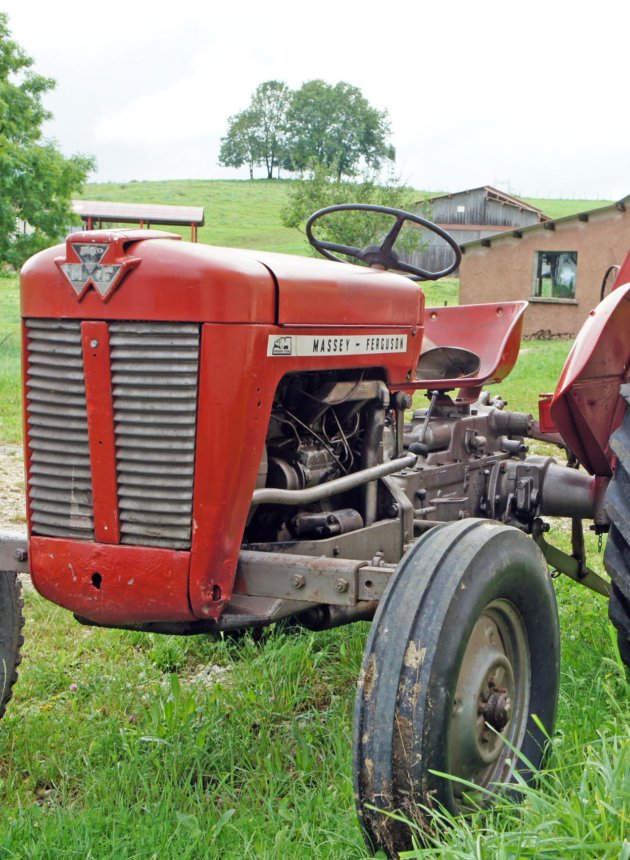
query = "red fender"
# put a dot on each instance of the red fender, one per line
(586, 406)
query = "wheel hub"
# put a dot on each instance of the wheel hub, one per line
(485, 712)
(498, 709)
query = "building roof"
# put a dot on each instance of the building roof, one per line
(130, 213)
(549, 224)
(493, 194)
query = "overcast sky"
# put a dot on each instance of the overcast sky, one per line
(529, 96)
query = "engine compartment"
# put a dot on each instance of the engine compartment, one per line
(323, 426)
(471, 461)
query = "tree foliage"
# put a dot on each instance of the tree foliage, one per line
(336, 127)
(257, 136)
(357, 229)
(37, 180)
(240, 145)
(318, 125)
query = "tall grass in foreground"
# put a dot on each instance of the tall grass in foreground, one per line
(121, 744)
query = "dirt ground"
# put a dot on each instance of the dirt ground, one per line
(12, 504)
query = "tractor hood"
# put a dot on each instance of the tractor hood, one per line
(149, 274)
(320, 292)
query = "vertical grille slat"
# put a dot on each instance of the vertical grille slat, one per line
(154, 382)
(154, 375)
(59, 481)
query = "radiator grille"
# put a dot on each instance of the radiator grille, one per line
(154, 382)
(59, 481)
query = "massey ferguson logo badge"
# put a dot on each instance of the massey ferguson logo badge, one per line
(96, 266)
(282, 346)
(354, 344)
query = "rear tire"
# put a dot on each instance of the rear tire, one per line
(466, 635)
(11, 639)
(617, 553)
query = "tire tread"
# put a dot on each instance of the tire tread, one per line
(12, 623)
(617, 552)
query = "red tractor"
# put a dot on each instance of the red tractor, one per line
(220, 439)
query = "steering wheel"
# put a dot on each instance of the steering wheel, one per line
(383, 255)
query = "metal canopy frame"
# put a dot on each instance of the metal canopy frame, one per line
(94, 212)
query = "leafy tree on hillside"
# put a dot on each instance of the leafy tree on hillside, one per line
(240, 146)
(257, 135)
(37, 180)
(357, 229)
(336, 127)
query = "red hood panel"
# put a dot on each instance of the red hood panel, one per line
(163, 279)
(173, 280)
(320, 292)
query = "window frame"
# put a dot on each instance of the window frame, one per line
(540, 260)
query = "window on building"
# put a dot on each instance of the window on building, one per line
(555, 273)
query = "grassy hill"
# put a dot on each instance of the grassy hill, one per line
(247, 213)
(239, 213)
(562, 208)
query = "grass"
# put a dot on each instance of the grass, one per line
(562, 208)
(128, 745)
(258, 203)
(106, 751)
(10, 414)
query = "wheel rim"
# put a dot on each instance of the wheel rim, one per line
(491, 702)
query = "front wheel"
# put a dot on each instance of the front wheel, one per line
(11, 639)
(460, 668)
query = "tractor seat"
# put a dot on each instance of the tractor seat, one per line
(447, 362)
(487, 337)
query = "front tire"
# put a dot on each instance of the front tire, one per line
(11, 639)
(462, 654)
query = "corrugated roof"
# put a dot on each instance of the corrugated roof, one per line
(130, 213)
(501, 196)
(517, 232)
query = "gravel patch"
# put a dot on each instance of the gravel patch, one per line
(12, 501)
(208, 676)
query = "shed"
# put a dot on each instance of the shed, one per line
(471, 214)
(94, 213)
(558, 266)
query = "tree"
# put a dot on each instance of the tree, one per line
(335, 126)
(240, 145)
(257, 135)
(356, 229)
(37, 180)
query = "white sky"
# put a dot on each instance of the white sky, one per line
(529, 96)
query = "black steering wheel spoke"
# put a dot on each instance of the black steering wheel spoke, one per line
(340, 249)
(381, 254)
(408, 269)
(390, 239)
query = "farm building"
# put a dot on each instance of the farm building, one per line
(558, 266)
(472, 214)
